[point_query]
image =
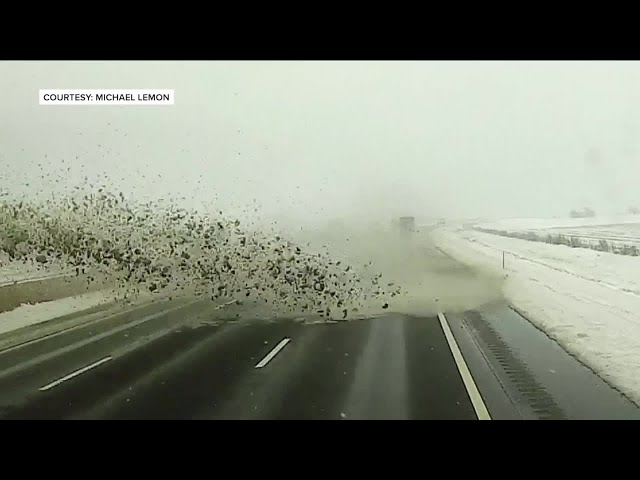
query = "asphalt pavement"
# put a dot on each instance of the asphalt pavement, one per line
(196, 359)
(188, 360)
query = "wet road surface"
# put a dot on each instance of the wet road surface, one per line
(195, 359)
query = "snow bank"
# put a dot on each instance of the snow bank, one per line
(41, 312)
(588, 301)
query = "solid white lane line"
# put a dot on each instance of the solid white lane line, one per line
(273, 353)
(74, 374)
(75, 327)
(474, 395)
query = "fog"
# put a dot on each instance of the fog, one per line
(310, 141)
(327, 145)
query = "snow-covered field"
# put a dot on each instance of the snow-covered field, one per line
(620, 235)
(588, 301)
(523, 224)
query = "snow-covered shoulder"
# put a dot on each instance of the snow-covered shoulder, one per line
(587, 301)
(26, 315)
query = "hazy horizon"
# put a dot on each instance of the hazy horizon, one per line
(315, 140)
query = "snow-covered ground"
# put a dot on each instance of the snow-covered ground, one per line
(588, 301)
(41, 312)
(523, 224)
(619, 235)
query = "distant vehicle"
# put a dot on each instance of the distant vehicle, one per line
(584, 213)
(407, 224)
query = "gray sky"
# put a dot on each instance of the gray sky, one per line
(308, 139)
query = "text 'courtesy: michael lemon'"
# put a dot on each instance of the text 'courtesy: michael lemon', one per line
(107, 97)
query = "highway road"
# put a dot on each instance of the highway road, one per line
(152, 364)
(196, 359)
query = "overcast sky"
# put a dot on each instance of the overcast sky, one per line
(337, 138)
